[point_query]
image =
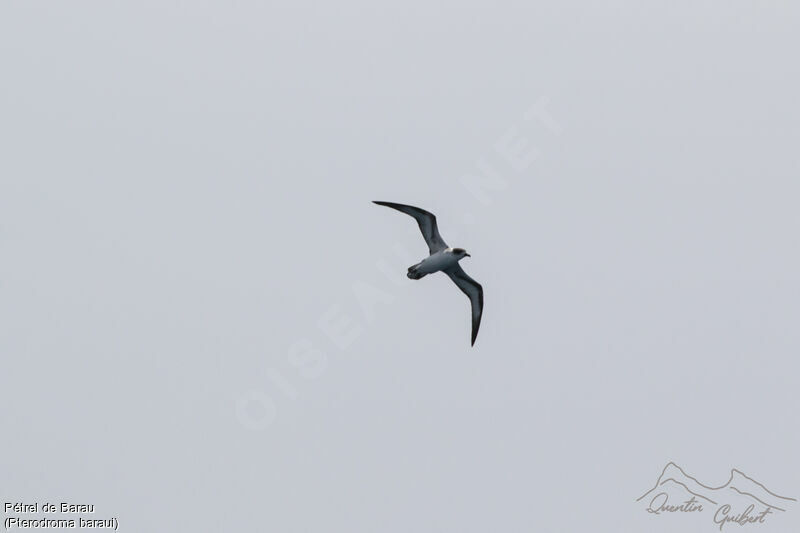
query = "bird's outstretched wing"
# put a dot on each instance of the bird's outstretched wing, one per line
(474, 292)
(427, 224)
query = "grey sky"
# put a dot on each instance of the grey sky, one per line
(185, 218)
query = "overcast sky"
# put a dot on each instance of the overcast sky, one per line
(205, 325)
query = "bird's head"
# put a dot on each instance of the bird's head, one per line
(460, 253)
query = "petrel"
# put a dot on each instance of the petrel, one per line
(443, 258)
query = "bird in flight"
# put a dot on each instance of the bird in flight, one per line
(443, 258)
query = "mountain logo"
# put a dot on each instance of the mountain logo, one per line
(741, 500)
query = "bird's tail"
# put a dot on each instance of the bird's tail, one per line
(414, 273)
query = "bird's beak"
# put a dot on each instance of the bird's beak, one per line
(467, 255)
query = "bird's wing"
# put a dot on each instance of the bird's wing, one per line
(474, 292)
(427, 224)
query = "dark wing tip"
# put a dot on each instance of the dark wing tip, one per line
(475, 334)
(477, 326)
